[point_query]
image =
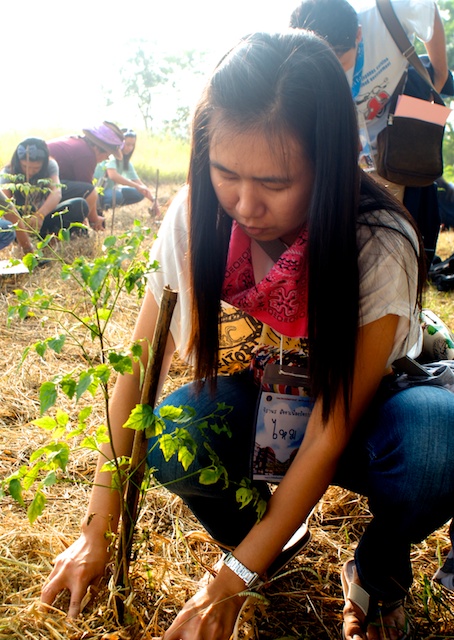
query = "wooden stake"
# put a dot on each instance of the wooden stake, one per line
(139, 451)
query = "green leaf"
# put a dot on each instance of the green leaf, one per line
(221, 427)
(168, 446)
(68, 386)
(90, 442)
(94, 441)
(155, 429)
(120, 363)
(64, 235)
(37, 453)
(186, 457)
(24, 312)
(60, 456)
(104, 314)
(141, 417)
(50, 479)
(102, 373)
(209, 476)
(36, 506)
(97, 278)
(15, 490)
(47, 396)
(47, 423)
(84, 414)
(102, 434)
(180, 415)
(109, 241)
(85, 380)
(111, 466)
(62, 417)
(244, 496)
(75, 432)
(41, 348)
(136, 350)
(56, 455)
(30, 261)
(56, 344)
(31, 475)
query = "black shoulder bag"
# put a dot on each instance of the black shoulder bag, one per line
(409, 150)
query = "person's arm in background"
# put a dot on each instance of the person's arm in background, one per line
(116, 177)
(142, 188)
(51, 202)
(84, 167)
(436, 49)
(96, 221)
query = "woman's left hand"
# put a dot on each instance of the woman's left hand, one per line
(209, 615)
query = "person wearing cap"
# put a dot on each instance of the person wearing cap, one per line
(119, 179)
(77, 157)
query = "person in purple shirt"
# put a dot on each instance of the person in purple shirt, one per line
(77, 157)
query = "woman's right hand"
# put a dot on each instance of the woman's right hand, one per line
(79, 566)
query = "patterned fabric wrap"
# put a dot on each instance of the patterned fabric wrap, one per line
(280, 299)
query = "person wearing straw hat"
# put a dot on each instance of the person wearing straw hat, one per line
(77, 157)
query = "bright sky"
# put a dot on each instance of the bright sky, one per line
(59, 54)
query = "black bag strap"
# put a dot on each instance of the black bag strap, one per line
(399, 36)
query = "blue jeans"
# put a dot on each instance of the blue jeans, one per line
(401, 457)
(7, 233)
(123, 196)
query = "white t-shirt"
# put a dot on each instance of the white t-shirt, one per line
(388, 277)
(384, 64)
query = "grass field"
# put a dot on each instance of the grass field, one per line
(171, 552)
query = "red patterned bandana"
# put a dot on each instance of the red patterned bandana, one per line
(280, 299)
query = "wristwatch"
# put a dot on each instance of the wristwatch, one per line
(248, 577)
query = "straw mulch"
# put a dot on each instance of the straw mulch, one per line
(172, 552)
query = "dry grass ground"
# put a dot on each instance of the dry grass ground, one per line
(172, 550)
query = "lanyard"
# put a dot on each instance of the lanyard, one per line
(358, 70)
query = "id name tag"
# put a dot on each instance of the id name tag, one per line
(283, 411)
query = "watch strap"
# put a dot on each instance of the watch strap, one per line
(248, 577)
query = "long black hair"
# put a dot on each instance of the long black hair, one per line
(34, 149)
(123, 165)
(280, 85)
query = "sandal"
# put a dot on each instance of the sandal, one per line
(445, 574)
(375, 613)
